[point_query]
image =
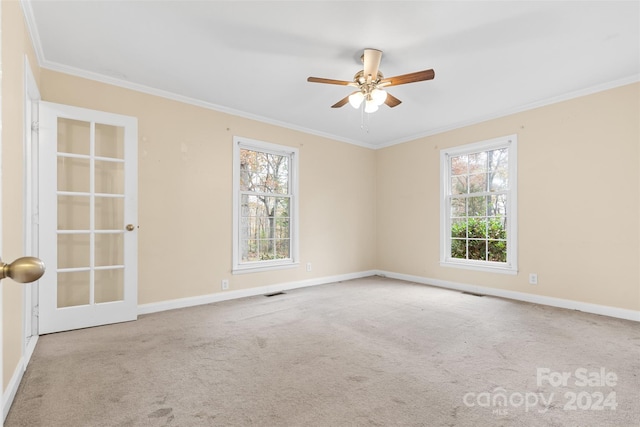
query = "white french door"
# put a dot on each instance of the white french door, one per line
(88, 217)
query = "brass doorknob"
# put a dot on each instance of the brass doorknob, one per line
(23, 270)
(130, 227)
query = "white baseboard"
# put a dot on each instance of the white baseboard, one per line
(242, 293)
(603, 310)
(16, 378)
(12, 388)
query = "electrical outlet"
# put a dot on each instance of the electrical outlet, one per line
(533, 279)
(225, 285)
(308, 266)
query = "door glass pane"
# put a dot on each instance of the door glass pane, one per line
(73, 174)
(73, 250)
(109, 141)
(109, 213)
(73, 212)
(73, 288)
(73, 136)
(109, 249)
(109, 177)
(109, 285)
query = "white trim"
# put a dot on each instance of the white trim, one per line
(243, 293)
(13, 385)
(267, 266)
(12, 388)
(30, 202)
(518, 109)
(193, 101)
(31, 347)
(32, 27)
(486, 266)
(603, 310)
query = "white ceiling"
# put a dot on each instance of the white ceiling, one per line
(252, 58)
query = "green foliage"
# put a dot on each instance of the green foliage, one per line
(477, 235)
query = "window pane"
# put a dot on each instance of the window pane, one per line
(282, 248)
(459, 165)
(109, 213)
(459, 228)
(477, 206)
(477, 228)
(109, 285)
(458, 248)
(478, 163)
(498, 159)
(497, 228)
(497, 205)
(249, 250)
(263, 172)
(458, 207)
(459, 184)
(109, 141)
(73, 174)
(497, 250)
(109, 249)
(478, 183)
(478, 249)
(73, 288)
(73, 212)
(264, 217)
(109, 177)
(73, 250)
(73, 136)
(499, 169)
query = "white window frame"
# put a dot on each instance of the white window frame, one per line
(256, 266)
(511, 265)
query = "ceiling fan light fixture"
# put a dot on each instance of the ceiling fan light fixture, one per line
(379, 96)
(370, 106)
(355, 99)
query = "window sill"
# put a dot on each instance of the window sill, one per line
(480, 266)
(244, 269)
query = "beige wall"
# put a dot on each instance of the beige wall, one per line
(185, 171)
(15, 44)
(578, 201)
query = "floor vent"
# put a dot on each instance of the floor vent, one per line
(274, 294)
(474, 294)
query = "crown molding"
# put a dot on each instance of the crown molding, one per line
(526, 107)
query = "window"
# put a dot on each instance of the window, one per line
(264, 205)
(478, 205)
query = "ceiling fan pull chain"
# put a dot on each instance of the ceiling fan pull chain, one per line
(364, 126)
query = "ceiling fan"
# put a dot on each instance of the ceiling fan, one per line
(371, 84)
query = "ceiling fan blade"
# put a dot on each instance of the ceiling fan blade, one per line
(342, 102)
(329, 81)
(418, 76)
(371, 59)
(392, 101)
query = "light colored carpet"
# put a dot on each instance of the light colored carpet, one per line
(371, 351)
